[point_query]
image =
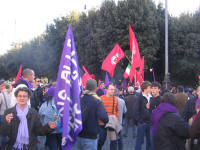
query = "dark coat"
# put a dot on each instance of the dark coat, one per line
(141, 113)
(36, 98)
(171, 133)
(195, 133)
(35, 128)
(92, 111)
(154, 102)
(189, 108)
(130, 102)
(195, 128)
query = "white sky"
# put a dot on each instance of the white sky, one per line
(22, 20)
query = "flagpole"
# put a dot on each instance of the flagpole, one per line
(127, 58)
(166, 81)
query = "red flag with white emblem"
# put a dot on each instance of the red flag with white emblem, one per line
(112, 59)
(136, 60)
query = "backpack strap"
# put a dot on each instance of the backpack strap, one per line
(113, 104)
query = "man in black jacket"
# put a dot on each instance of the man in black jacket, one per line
(37, 95)
(129, 117)
(92, 111)
(142, 116)
(189, 108)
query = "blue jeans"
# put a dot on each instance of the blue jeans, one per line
(53, 141)
(129, 122)
(85, 144)
(102, 139)
(3, 140)
(143, 130)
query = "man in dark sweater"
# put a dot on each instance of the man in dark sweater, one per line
(92, 111)
(142, 116)
(156, 98)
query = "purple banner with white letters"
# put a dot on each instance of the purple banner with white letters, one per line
(68, 89)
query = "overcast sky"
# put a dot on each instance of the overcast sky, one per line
(22, 20)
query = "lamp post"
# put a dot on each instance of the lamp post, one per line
(166, 81)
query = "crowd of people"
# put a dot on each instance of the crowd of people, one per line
(168, 120)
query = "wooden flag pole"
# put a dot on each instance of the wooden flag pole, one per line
(127, 58)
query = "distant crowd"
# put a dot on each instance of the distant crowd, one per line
(167, 119)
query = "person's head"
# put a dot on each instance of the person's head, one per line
(124, 91)
(155, 89)
(169, 98)
(37, 82)
(198, 91)
(48, 96)
(91, 85)
(121, 91)
(180, 89)
(102, 85)
(131, 90)
(146, 87)
(197, 104)
(29, 75)
(2, 85)
(22, 95)
(117, 92)
(8, 87)
(110, 90)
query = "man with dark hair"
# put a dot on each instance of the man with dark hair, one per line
(26, 80)
(101, 91)
(181, 99)
(92, 111)
(142, 116)
(156, 98)
(37, 95)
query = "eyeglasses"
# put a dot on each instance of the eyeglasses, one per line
(37, 80)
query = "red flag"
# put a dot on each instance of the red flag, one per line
(136, 60)
(93, 76)
(18, 74)
(139, 78)
(141, 71)
(112, 59)
(85, 77)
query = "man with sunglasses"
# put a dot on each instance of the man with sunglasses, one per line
(37, 95)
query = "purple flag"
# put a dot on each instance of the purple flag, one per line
(68, 89)
(124, 84)
(106, 80)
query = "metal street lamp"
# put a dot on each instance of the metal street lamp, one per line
(166, 81)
